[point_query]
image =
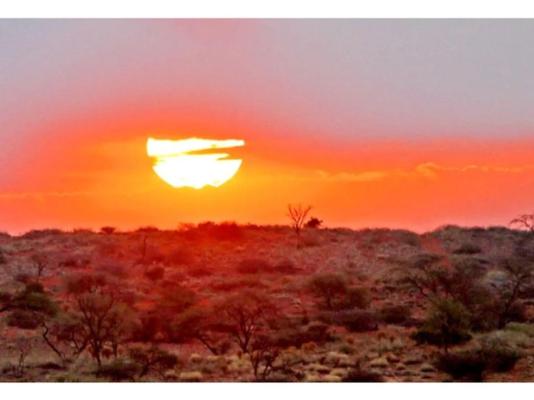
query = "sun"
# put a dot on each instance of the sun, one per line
(189, 162)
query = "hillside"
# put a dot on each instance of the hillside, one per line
(243, 303)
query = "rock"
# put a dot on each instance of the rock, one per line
(320, 368)
(191, 376)
(413, 359)
(170, 376)
(372, 355)
(311, 378)
(195, 358)
(339, 372)
(427, 368)
(379, 363)
(392, 358)
(400, 367)
(331, 378)
(334, 358)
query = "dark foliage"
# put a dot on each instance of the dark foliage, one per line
(155, 273)
(254, 266)
(119, 370)
(355, 320)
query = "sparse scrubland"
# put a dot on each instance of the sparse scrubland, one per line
(225, 302)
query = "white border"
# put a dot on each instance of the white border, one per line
(259, 391)
(268, 9)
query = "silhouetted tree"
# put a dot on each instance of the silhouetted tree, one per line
(524, 221)
(297, 214)
(40, 261)
(314, 223)
(246, 314)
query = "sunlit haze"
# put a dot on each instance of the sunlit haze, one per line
(399, 123)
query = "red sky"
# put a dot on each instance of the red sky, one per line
(392, 124)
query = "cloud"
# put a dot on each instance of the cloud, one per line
(39, 195)
(428, 170)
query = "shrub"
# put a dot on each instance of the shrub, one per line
(314, 223)
(473, 364)
(119, 370)
(286, 267)
(395, 314)
(199, 271)
(115, 269)
(501, 350)
(33, 298)
(357, 374)
(227, 285)
(108, 230)
(446, 324)
(155, 273)
(41, 233)
(465, 365)
(327, 287)
(179, 256)
(297, 336)
(354, 320)
(84, 283)
(356, 297)
(24, 319)
(468, 249)
(226, 231)
(177, 299)
(148, 327)
(3, 259)
(253, 266)
(153, 359)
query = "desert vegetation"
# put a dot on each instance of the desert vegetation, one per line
(228, 302)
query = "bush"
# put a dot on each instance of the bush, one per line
(327, 287)
(3, 259)
(465, 365)
(119, 370)
(358, 374)
(501, 350)
(296, 336)
(153, 359)
(33, 298)
(227, 285)
(199, 271)
(354, 320)
(253, 266)
(395, 315)
(155, 273)
(41, 233)
(286, 267)
(356, 297)
(468, 249)
(446, 324)
(24, 319)
(473, 364)
(108, 230)
(179, 256)
(314, 223)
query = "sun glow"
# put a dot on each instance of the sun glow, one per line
(178, 165)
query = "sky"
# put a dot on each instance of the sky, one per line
(375, 123)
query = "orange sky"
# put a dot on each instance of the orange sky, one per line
(398, 124)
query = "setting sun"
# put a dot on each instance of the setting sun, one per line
(176, 163)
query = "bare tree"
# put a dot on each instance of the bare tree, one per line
(65, 336)
(297, 214)
(263, 354)
(22, 346)
(520, 275)
(40, 261)
(246, 315)
(524, 221)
